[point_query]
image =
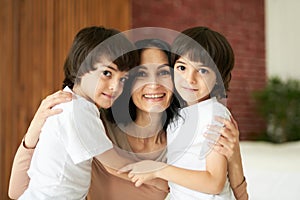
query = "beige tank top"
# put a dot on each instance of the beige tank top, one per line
(105, 186)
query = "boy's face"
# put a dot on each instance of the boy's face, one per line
(103, 85)
(193, 80)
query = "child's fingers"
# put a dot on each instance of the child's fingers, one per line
(130, 175)
(139, 182)
(134, 179)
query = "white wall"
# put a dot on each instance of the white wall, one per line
(283, 38)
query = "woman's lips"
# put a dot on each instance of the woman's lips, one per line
(154, 97)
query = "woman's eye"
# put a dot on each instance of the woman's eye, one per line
(141, 74)
(181, 68)
(106, 73)
(203, 71)
(164, 72)
(123, 80)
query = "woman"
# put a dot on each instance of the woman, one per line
(105, 183)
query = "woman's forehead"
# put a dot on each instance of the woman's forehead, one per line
(153, 55)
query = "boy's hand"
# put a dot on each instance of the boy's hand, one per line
(143, 171)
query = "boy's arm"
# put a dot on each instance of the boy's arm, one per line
(156, 182)
(210, 181)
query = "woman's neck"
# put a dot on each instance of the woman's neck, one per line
(141, 144)
(146, 133)
(149, 124)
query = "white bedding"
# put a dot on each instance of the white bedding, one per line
(272, 170)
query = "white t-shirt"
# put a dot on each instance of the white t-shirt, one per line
(61, 163)
(188, 148)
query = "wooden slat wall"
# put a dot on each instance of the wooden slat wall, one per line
(35, 37)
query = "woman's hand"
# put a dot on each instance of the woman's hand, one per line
(44, 111)
(229, 146)
(228, 142)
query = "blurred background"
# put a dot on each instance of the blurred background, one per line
(35, 36)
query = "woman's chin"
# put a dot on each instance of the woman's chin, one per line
(157, 109)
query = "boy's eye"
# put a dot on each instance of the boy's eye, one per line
(181, 68)
(203, 71)
(106, 73)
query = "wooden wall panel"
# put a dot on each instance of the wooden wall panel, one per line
(35, 38)
(7, 83)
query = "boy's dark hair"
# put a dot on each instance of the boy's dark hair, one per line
(90, 45)
(122, 101)
(201, 44)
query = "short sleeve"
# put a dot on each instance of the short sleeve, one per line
(86, 135)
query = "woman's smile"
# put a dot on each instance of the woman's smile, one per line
(156, 97)
(153, 88)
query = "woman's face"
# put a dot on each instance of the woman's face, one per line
(153, 88)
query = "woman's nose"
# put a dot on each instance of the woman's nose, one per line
(153, 79)
(153, 85)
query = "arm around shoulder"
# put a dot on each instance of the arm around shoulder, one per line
(19, 179)
(240, 192)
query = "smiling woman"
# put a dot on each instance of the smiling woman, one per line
(149, 91)
(153, 86)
